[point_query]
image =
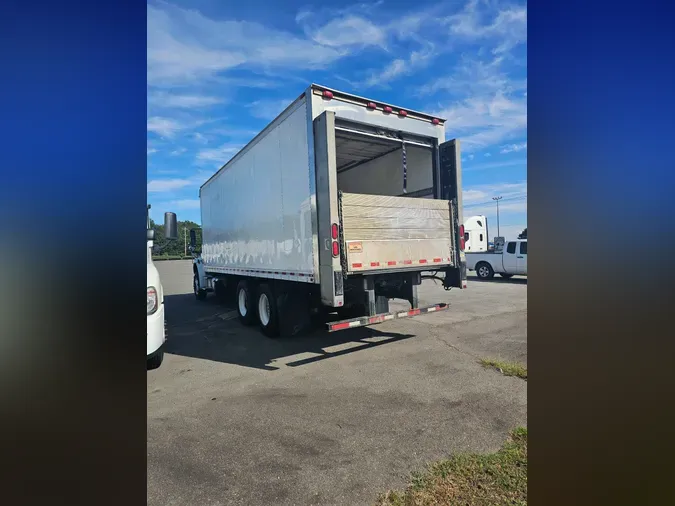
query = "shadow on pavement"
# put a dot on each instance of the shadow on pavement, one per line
(499, 279)
(210, 330)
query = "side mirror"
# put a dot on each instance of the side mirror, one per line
(170, 226)
(193, 238)
(151, 234)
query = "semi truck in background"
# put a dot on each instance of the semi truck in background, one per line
(340, 204)
(156, 332)
(476, 234)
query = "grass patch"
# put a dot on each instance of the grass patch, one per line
(472, 480)
(506, 368)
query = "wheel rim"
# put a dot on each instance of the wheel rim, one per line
(483, 272)
(242, 302)
(264, 309)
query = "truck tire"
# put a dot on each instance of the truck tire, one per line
(155, 360)
(505, 276)
(268, 312)
(200, 294)
(485, 271)
(245, 303)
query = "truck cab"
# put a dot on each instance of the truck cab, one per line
(514, 257)
(475, 234)
(156, 336)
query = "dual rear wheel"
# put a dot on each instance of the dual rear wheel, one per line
(258, 305)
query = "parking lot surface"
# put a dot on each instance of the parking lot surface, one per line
(327, 419)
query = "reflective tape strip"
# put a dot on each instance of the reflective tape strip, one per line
(371, 320)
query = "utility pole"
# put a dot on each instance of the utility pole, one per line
(497, 199)
(185, 239)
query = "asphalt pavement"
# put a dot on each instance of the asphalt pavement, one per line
(235, 418)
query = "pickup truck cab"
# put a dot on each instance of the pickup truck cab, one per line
(507, 262)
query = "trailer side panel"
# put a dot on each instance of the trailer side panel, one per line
(257, 212)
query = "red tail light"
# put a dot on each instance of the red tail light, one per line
(336, 249)
(461, 237)
(435, 121)
(387, 109)
(327, 94)
(371, 105)
(403, 113)
(334, 231)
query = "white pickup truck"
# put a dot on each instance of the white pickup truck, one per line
(507, 262)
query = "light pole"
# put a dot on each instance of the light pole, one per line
(185, 239)
(497, 199)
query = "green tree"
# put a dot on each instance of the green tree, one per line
(523, 234)
(176, 247)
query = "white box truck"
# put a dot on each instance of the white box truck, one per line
(338, 205)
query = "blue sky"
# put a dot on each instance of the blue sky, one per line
(219, 72)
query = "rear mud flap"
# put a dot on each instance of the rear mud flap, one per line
(294, 316)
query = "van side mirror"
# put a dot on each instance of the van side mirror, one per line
(170, 226)
(193, 238)
(150, 234)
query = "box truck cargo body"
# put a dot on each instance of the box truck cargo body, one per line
(340, 203)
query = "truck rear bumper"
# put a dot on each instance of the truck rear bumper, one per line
(364, 321)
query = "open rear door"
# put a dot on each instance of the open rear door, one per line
(450, 168)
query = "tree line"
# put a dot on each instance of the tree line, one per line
(164, 247)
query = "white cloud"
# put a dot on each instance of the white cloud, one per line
(199, 137)
(481, 121)
(473, 76)
(484, 193)
(166, 127)
(402, 67)
(478, 22)
(169, 127)
(493, 165)
(167, 185)
(218, 155)
(185, 46)
(490, 105)
(487, 154)
(349, 31)
(151, 151)
(171, 185)
(177, 152)
(513, 148)
(169, 100)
